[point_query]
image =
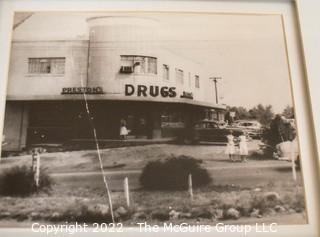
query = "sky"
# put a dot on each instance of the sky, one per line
(247, 51)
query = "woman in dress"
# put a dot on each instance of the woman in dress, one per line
(230, 146)
(243, 147)
(123, 129)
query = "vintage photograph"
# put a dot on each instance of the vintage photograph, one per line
(155, 117)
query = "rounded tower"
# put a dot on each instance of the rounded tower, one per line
(122, 50)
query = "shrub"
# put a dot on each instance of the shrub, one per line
(19, 181)
(172, 174)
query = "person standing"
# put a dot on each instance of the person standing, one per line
(243, 147)
(123, 129)
(230, 150)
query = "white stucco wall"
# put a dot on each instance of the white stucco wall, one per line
(110, 37)
(22, 84)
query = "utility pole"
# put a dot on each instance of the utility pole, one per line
(215, 80)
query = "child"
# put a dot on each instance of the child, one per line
(243, 147)
(230, 146)
(123, 129)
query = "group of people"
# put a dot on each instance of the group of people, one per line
(237, 145)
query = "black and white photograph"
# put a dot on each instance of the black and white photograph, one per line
(123, 118)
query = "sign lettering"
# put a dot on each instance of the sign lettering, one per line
(154, 91)
(187, 95)
(82, 90)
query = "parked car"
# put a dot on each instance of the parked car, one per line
(252, 127)
(207, 131)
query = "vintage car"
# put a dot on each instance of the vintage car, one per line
(207, 131)
(252, 127)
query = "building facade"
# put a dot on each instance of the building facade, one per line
(122, 70)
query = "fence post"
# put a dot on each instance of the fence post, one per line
(294, 172)
(36, 166)
(190, 187)
(126, 190)
(37, 175)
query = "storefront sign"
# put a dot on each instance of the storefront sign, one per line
(187, 95)
(154, 91)
(82, 90)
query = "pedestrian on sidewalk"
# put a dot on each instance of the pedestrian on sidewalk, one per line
(123, 129)
(230, 150)
(243, 147)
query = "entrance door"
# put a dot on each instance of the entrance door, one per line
(141, 126)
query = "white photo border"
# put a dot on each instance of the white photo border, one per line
(302, 100)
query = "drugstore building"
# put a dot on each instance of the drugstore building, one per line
(123, 72)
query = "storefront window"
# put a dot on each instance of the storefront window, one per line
(172, 119)
(138, 64)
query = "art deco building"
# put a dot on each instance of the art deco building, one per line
(125, 73)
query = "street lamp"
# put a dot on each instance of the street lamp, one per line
(215, 80)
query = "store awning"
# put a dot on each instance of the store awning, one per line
(115, 97)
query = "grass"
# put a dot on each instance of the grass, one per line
(132, 157)
(80, 204)
(75, 197)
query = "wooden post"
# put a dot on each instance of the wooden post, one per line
(293, 165)
(190, 187)
(37, 173)
(126, 190)
(34, 163)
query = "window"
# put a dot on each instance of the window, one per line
(189, 79)
(197, 81)
(47, 65)
(172, 119)
(138, 64)
(152, 65)
(165, 71)
(179, 76)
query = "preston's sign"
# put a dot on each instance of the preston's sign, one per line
(82, 90)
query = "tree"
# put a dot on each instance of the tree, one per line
(263, 114)
(281, 130)
(240, 113)
(288, 112)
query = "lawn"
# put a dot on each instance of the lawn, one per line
(256, 191)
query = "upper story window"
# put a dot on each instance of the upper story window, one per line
(165, 71)
(46, 65)
(197, 81)
(179, 76)
(138, 64)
